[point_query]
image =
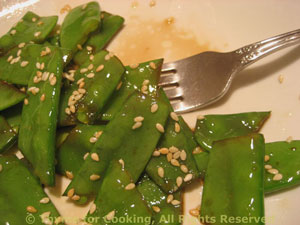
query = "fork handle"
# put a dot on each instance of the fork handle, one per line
(253, 52)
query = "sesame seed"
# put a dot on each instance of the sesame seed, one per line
(13, 32)
(267, 158)
(33, 19)
(188, 177)
(31, 209)
(121, 161)
(146, 82)
(144, 89)
(154, 108)
(134, 66)
(156, 153)
(42, 98)
(36, 79)
(10, 58)
(156, 209)
(91, 57)
(1, 167)
(24, 63)
(136, 125)
(273, 171)
(107, 57)
(174, 116)
(89, 48)
(280, 79)
(160, 172)
(36, 34)
(152, 65)
(277, 177)
(26, 101)
(52, 80)
(75, 197)
(95, 157)
(173, 149)
(80, 80)
(90, 67)
(170, 198)
(39, 73)
(15, 60)
(40, 23)
(138, 119)
(110, 215)
(175, 162)
(160, 128)
(119, 85)
(268, 167)
(177, 127)
(67, 111)
(164, 151)
(93, 208)
(194, 212)
(45, 218)
(83, 70)
(179, 181)
(184, 168)
(197, 150)
(94, 177)
(175, 202)
(69, 175)
(79, 47)
(42, 66)
(71, 192)
(45, 200)
(86, 155)
(152, 3)
(38, 65)
(289, 139)
(130, 186)
(183, 155)
(90, 75)
(45, 76)
(77, 97)
(19, 52)
(93, 139)
(169, 156)
(99, 68)
(200, 117)
(176, 155)
(21, 45)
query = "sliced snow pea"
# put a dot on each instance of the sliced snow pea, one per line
(9, 95)
(234, 182)
(121, 141)
(94, 82)
(13, 116)
(39, 116)
(133, 80)
(212, 128)
(110, 25)
(7, 135)
(70, 155)
(164, 212)
(285, 158)
(118, 200)
(22, 198)
(30, 28)
(78, 24)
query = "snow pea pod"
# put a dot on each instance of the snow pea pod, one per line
(283, 157)
(22, 198)
(110, 25)
(118, 200)
(123, 139)
(212, 128)
(94, 82)
(9, 95)
(78, 24)
(70, 155)
(7, 135)
(166, 209)
(39, 115)
(30, 28)
(234, 182)
(135, 77)
(13, 116)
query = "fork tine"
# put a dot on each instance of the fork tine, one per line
(168, 80)
(167, 67)
(177, 106)
(173, 93)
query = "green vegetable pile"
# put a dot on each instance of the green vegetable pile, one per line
(74, 109)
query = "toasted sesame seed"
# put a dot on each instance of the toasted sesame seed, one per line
(19, 52)
(38, 65)
(177, 127)
(83, 70)
(93, 208)
(9, 58)
(176, 155)
(69, 175)
(164, 151)
(289, 139)
(152, 3)
(146, 82)
(156, 153)
(90, 75)
(36, 79)
(33, 19)
(194, 212)
(95, 157)
(1, 167)
(119, 85)
(79, 47)
(24, 63)
(93, 139)
(267, 158)
(183, 155)
(197, 150)
(42, 66)
(67, 111)
(31, 209)
(94, 177)
(175, 162)
(175, 202)
(179, 181)
(136, 125)
(80, 80)
(40, 23)
(45, 200)
(268, 167)
(39, 73)
(71, 192)
(89, 48)
(75, 197)
(42, 98)
(52, 80)
(200, 117)
(161, 172)
(188, 177)
(99, 68)
(144, 89)
(170, 198)
(134, 66)
(156, 209)
(45, 218)
(107, 57)
(174, 116)
(130, 186)
(36, 34)
(26, 101)
(90, 67)
(110, 215)
(77, 97)
(86, 155)
(173, 149)
(169, 156)
(280, 79)
(277, 177)
(121, 161)
(138, 119)
(184, 168)
(92, 57)
(152, 65)
(98, 133)
(21, 45)
(45, 76)
(273, 171)
(13, 32)
(160, 128)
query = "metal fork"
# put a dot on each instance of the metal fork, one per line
(203, 79)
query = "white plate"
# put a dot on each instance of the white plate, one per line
(197, 26)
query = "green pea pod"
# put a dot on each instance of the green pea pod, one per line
(116, 202)
(9, 95)
(105, 75)
(70, 155)
(133, 80)
(234, 182)
(110, 25)
(217, 127)
(13, 116)
(30, 28)
(285, 158)
(166, 213)
(7, 135)
(78, 24)
(61, 135)
(39, 116)
(201, 159)
(21, 195)
(120, 141)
